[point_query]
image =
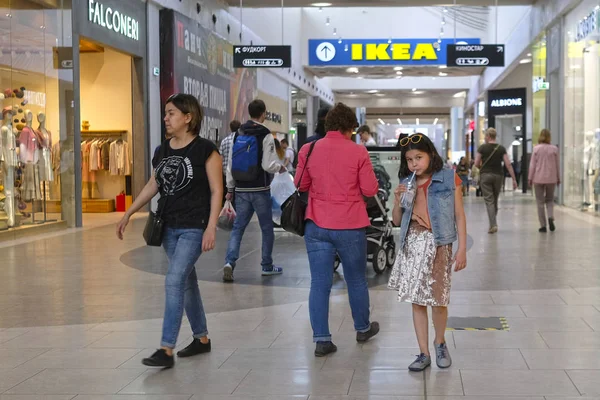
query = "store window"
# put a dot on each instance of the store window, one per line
(36, 93)
(540, 87)
(582, 100)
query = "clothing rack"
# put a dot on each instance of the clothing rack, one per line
(105, 133)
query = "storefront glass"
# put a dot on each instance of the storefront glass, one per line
(36, 85)
(582, 101)
(540, 87)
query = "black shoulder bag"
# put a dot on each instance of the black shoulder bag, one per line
(293, 210)
(155, 225)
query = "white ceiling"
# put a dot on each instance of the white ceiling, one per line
(376, 3)
(438, 93)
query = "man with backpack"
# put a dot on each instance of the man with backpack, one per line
(252, 162)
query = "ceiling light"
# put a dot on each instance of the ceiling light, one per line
(460, 94)
(294, 91)
(352, 70)
(346, 48)
(445, 10)
(516, 143)
(398, 68)
(525, 61)
(340, 40)
(443, 74)
(360, 77)
(380, 120)
(439, 41)
(380, 94)
(443, 67)
(528, 54)
(435, 121)
(399, 121)
(373, 91)
(321, 4)
(398, 72)
(443, 22)
(414, 89)
(419, 92)
(390, 40)
(327, 21)
(334, 31)
(418, 122)
(399, 77)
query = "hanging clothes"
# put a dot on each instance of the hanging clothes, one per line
(45, 163)
(120, 159)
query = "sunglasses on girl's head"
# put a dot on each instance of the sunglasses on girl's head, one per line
(414, 139)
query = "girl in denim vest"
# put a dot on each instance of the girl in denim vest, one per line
(428, 227)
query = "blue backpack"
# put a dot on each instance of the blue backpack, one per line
(245, 160)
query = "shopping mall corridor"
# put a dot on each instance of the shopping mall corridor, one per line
(79, 310)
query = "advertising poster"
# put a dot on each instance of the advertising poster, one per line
(196, 61)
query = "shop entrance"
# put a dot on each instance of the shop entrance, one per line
(112, 129)
(510, 135)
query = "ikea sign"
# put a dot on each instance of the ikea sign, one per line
(380, 52)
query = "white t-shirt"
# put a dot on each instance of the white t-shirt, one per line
(289, 155)
(371, 142)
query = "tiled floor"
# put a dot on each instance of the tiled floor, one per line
(80, 309)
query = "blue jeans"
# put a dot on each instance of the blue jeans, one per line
(322, 246)
(245, 206)
(183, 247)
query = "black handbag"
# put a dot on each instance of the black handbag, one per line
(155, 225)
(293, 210)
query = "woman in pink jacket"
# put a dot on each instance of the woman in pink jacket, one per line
(544, 176)
(336, 176)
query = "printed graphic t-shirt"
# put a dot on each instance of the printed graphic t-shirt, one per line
(183, 184)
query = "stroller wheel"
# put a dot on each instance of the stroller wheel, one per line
(379, 260)
(391, 255)
(336, 263)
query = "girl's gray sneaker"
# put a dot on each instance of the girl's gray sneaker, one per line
(442, 355)
(420, 363)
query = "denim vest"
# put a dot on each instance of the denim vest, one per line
(440, 204)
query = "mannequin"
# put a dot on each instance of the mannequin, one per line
(45, 141)
(9, 157)
(29, 155)
(589, 169)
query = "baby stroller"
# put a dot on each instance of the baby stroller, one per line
(381, 247)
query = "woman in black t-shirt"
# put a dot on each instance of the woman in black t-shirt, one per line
(187, 173)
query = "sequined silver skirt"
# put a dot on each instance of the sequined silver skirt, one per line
(422, 271)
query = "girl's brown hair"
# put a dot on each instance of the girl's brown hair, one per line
(545, 137)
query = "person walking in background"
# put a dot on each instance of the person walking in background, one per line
(462, 170)
(544, 176)
(187, 173)
(489, 159)
(336, 176)
(290, 155)
(226, 143)
(252, 162)
(320, 131)
(366, 137)
(428, 227)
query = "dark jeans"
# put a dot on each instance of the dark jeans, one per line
(245, 206)
(322, 246)
(183, 247)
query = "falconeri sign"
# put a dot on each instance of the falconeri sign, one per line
(114, 20)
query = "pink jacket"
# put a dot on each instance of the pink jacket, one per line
(338, 175)
(544, 167)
